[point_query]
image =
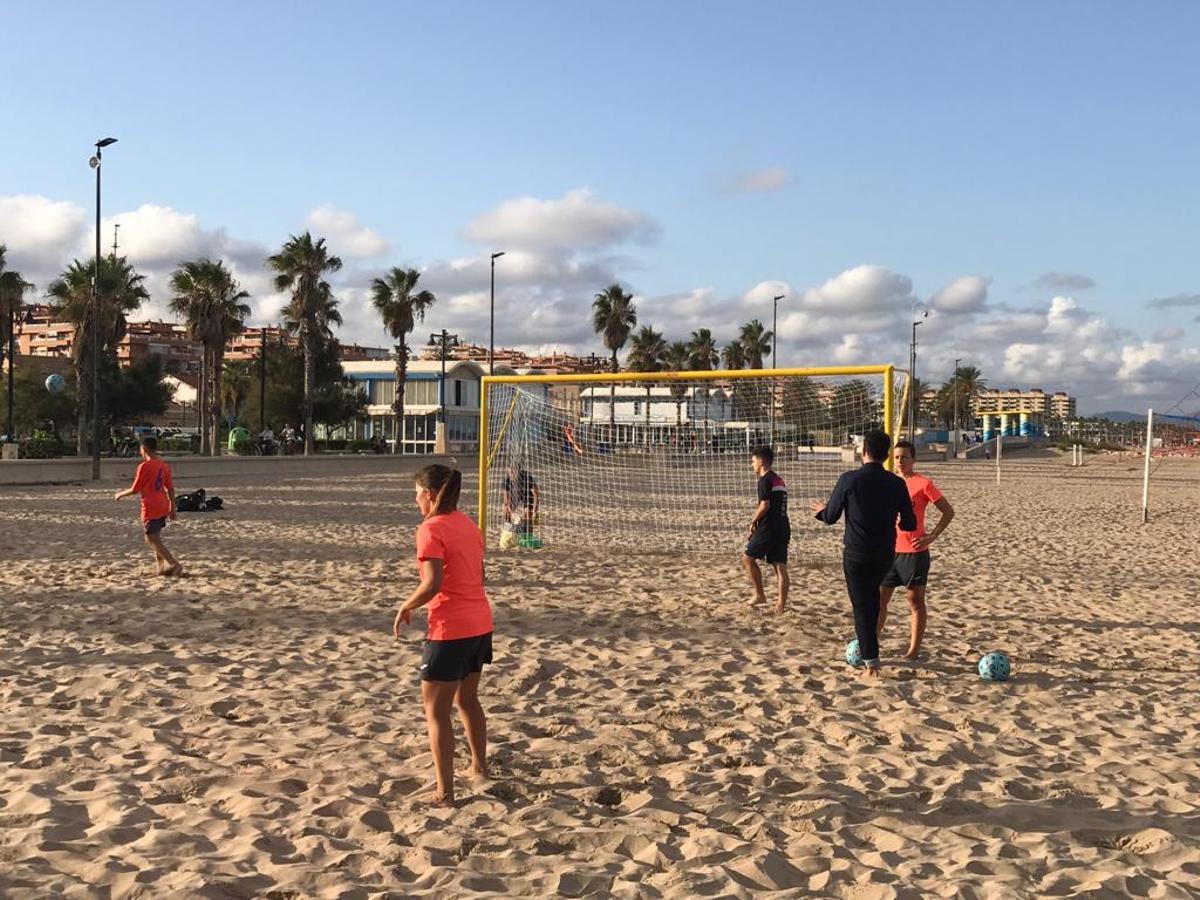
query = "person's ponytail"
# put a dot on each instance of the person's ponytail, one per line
(446, 483)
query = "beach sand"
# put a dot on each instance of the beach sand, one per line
(252, 730)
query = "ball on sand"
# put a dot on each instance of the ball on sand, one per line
(56, 384)
(994, 667)
(853, 654)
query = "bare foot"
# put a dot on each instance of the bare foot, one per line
(912, 654)
(758, 600)
(442, 801)
(780, 607)
(175, 571)
(870, 673)
(477, 774)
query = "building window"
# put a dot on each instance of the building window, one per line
(381, 393)
(421, 393)
(458, 392)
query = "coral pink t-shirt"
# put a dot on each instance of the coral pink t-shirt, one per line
(922, 491)
(461, 608)
(152, 481)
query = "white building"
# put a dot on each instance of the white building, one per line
(633, 404)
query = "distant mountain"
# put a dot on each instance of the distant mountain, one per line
(1121, 416)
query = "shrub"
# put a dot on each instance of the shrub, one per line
(42, 448)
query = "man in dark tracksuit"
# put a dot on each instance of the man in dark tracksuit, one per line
(872, 499)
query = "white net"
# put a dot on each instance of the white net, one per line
(662, 465)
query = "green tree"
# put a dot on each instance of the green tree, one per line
(401, 306)
(802, 406)
(756, 343)
(852, 411)
(678, 358)
(121, 291)
(235, 386)
(301, 266)
(12, 299)
(136, 393)
(336, 401)
(647, 352)
(36, 409)
(214, 309)
(613, 317)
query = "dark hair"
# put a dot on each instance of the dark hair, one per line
(150, 443)
(907, 445)
(445, 482)
(876, 444)
(766, 454)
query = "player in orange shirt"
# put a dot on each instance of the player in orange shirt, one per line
(459, 637)
(911, 565)
(153, 482)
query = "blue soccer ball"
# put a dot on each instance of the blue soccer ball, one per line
(853, 654)
(56, 384)
(994, 667)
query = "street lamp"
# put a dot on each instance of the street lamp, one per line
(912, 377)
(94, 162)
(774, 353)
(446, 342)
(492, 330)
(956, 362)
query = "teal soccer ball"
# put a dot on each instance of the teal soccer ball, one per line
(56, 384)
(853, 654)
(993, 667)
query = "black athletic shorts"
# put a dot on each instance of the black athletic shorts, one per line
(154, 526)
(769, 546)
(908, 570)
(455, 660)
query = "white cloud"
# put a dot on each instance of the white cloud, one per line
(774, 178)
(966, 294)
(866, 288)
(345, 235)
(579, 220)
(40, 234)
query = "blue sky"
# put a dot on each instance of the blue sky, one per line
(931, 141)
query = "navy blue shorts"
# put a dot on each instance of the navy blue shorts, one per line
(154, 526)
(455, 660)
(769, 546)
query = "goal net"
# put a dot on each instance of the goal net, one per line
(661, 462)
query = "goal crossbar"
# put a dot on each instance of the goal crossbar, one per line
(485, 451)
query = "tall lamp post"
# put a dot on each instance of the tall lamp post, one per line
(27, 318)
(94, 162)
(957, 360)
(774, 353)
(262, 380)
(446, 342)
(492, 330)
(912, 377)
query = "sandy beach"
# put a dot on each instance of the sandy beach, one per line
(252, 730)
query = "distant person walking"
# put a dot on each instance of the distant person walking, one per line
(153, 482)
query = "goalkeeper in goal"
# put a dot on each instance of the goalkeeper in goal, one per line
(770, 530)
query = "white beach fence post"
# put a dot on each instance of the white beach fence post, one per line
(999, 453)
(1146, 467)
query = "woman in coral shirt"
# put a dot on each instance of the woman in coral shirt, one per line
(459, 637)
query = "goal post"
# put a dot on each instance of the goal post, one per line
(625, 458)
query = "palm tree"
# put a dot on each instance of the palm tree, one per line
(646, 354)
(966, 382)
(120, 292)
(12, 298)
(704, 357)
(401, 306)
(236, 382)
(613, 317)
(733, 355)
(301, 266)
(756, 343)
(213, 306)
(678, 357)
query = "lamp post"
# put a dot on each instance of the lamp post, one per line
(94, 162)
(912, 377)
(446, 341)
(492, 330)
(262, 380)
(956, 362)
(774, 353)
